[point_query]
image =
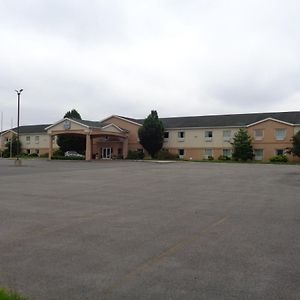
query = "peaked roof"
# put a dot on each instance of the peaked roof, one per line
(234, 120)
(30, 128)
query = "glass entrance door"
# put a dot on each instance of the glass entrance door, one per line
(106, 153)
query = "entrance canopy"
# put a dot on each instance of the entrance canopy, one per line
(91, 130)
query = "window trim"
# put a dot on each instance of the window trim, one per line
(262, 156)
(180, 139)
(181, 155)
(281, 129)
(208, 138)
(227, 139)
(205, 156)
(258, 138)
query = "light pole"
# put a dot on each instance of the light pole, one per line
(18, 130)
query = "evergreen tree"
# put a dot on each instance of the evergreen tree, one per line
(73, 114)
(13, 144)
(242, 148)
(69, 142)
(295, 149)
(151, 134)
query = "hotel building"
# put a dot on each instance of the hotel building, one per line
(192, 138)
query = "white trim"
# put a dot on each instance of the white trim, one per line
(71, 120)
(269, 119)
(8, 130)
(216, 127)
(118, 117)
(116, 126)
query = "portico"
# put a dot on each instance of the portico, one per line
(102, 140)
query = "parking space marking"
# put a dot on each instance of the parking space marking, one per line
(158, 258)
(61, 226)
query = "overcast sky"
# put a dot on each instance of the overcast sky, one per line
(127, 57)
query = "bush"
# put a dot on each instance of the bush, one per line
(58, 152)
(135, 154)
(223, 157)
(166, 155)
(8, 295)
(68, 158)
(33, 155)
(210, 158)
(279, 159)
(6, 153)
(23, 154)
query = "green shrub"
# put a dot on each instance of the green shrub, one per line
(6, 153)
(23, 154)
(166, 155)
(210, 158)
(8, 295)
(135, 154)
(279, 159)
(58, 152)
(33, 155)
(223, 157)
(68, 158)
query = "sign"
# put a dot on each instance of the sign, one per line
(67, 124)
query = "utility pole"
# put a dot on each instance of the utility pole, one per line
(10, 150)
(1, 137)
(18, 162)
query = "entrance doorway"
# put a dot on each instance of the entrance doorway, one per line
(106, 153)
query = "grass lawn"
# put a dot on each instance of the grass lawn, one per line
(7, 295)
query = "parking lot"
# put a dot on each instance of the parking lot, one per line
(146, 230)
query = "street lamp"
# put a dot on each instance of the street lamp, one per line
(18, 130)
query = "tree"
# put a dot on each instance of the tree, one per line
(151, 134)
(68, 142)
(242, 148)
(73, 114)
(295, 149)
(13, 144)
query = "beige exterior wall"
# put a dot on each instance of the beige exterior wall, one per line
(269, 143)
(296, 129)
(195, 138)
(195, 143)
(133, 141)
(33, 142)
(75, 127)
(29, 142)
(5, 138)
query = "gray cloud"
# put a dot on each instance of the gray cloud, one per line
(128, 57)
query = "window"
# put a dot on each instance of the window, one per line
(258, 134)
(226, 135)
(258, 154)
(37, 151)
(28, 139)
(181, 153)
(166, 135)
(227, 152)
(279, 152)
(280, 134)
(180, 135)
(28, 151)
(37, 139)
(208, 135)
(207, 153)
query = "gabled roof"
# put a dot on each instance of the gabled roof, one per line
(30, 128)
(234, 120)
